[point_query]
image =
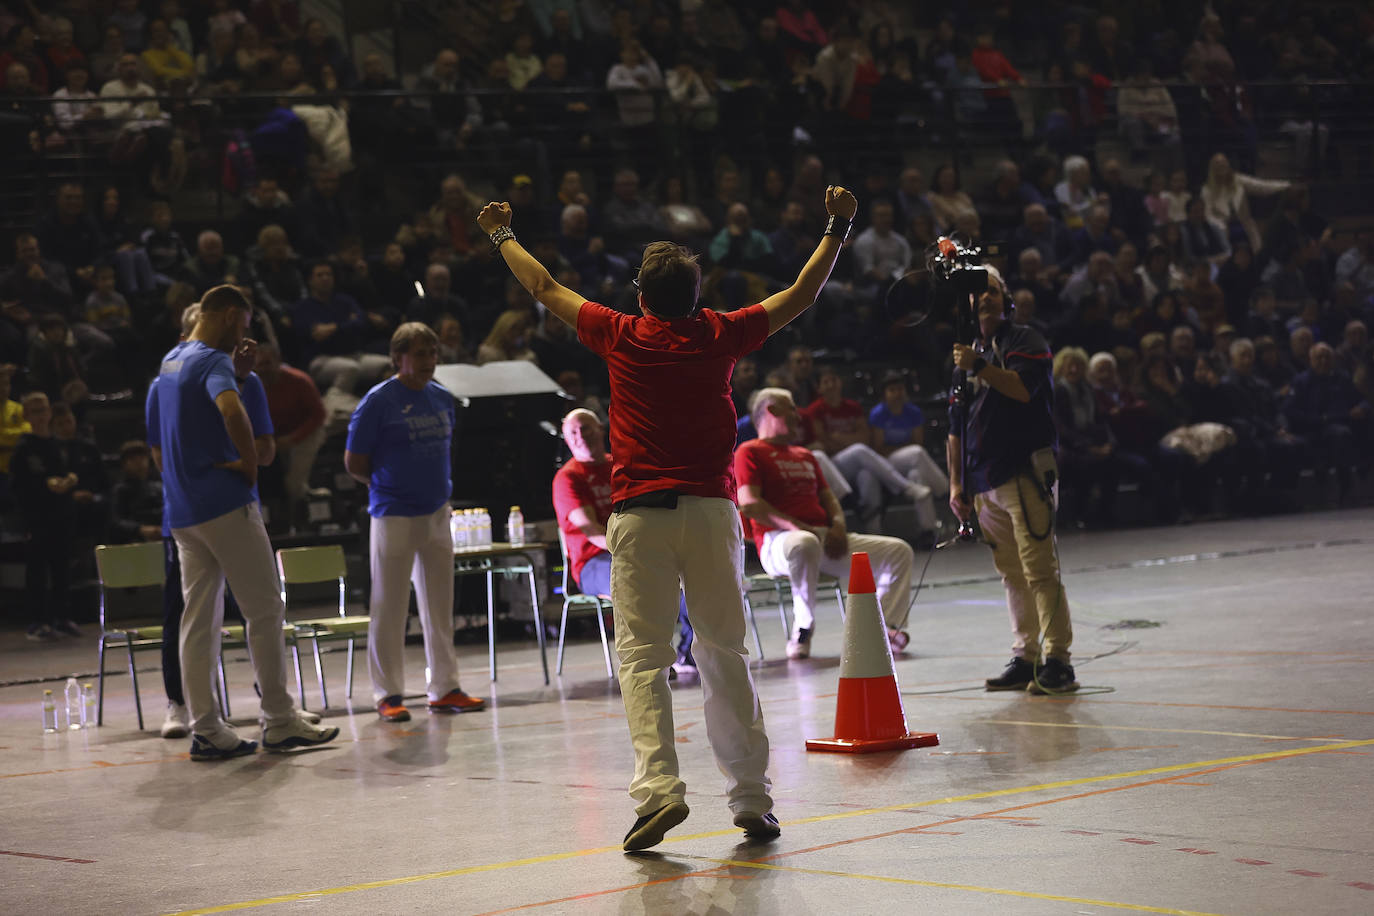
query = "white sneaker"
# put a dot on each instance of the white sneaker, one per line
(178, 721)
(917, 491)
(799, 646)
(296, 732)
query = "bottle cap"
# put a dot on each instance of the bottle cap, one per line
(47, 693)
(515, 508)
(87, 684)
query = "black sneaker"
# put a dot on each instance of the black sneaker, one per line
(799, 646)
(1054, 676)
(1015, 676)
(649, 829)
(760, 827)
(203, 749)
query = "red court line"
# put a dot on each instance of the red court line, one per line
(38, 855)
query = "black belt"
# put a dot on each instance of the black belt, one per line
(658, 499)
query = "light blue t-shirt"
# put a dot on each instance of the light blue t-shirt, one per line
(254, 397)
(408, 435)
(193, 437)
(896, 427)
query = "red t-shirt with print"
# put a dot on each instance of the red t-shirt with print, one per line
(789, 479)
(672, 418)
(845, 419)
(579, 484)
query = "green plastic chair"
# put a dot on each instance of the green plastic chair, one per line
(574, 598)
(780, 587)
(307, 565)
(128, 566)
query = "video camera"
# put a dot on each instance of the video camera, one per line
(957, 268)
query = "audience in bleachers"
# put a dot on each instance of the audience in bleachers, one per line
(1150, 262)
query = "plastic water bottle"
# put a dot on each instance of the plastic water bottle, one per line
(88, 705)
(74, 707)
(458, 529)
(483, 527)
(49, 713)
(515, 527)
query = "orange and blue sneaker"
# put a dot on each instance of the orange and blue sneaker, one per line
(456, 701)
(392, 710)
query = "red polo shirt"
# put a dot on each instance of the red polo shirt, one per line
(672, 419)
(845, 419)
(578, 484)
(788, 477)
(294, 403)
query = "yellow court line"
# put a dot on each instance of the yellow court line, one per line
(1144, 728)
(974, 796)
(945, 885)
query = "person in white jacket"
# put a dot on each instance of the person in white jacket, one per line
(1227, 195)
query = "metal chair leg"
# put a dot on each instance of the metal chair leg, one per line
(352, 645)
(562, 632)
(100, 691)
(319, 672)
(605, 646)
(539, 625)
(223, 688)
(754, 625)
(133, 676)
(491, 625)
(839, 598)
(782, 609)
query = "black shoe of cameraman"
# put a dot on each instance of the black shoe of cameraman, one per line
(1017, 675)
(1053, 677)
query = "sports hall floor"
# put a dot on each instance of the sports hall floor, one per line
(1221, 762)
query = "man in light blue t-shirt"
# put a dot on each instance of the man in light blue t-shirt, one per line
(399, 445)
(209, 466)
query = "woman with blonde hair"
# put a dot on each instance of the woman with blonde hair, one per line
(1226, 194)
(1086, 448)
(507, 339)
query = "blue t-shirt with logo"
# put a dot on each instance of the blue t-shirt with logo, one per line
(185, 423)
(896, 427)
(408, 435)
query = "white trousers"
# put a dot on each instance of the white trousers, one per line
(799, 556)
(833, 478)
(233, 546)
(406, 549)
(345, 372)
(870, 474)
(915, 464)
(696, 547)
(300, 459)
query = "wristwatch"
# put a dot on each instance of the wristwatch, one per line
(979, 364)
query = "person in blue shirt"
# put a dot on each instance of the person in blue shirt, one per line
(209, 465)
(899, 436)
(254, 395)
(400, 442)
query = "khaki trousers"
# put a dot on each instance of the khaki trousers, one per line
(696, 547)
(1036, 599)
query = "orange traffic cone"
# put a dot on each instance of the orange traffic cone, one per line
(868, 713)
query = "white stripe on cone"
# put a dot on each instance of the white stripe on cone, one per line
(866, 649)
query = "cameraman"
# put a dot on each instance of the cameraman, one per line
(1005, 418)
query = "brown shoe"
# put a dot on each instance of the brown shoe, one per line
(456, 701)
(391, 709)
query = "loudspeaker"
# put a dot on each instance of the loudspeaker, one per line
(501, 455)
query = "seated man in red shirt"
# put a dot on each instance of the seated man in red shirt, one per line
(298, 416)
(839, 426)
(582, 501)
(798, 525)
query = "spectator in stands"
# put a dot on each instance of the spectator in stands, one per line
(582, 503)
(1087, 459)
(798, 525)
(1146, 114)
(453, 347)
(136, 499)
(438, 299)
(1326, 409)
(32, 287)
(257, 58)
(524, 65)
(217, 67)
(801, 375)
(632, 80)
(1003, 203)
(267, 205)
(70, 235)
(1205, 298)
(53, 361)
(1159, 274)
(331, 333)
(399, 442)
(1204, 238)
(948, 202)
(318, 50)
(1135, 437)
(21, 47)
(1353, 354)
(508, 339)
(1045, 233)
(172, 69)
(1356, 264)
(452, 216)
(1095, 236)
(107, 310)
(899, 434)
(1075, 193)
(298, 421)
(683, 221)
(324, 216)
(740, 247)
(105, 61)
(744, 381)
(83, 457)
(44, 486)
(1095, 280)
(78, 115)
(456, 113)
(143, 128)
(274, 273)
(1226, 194)
(881, 255)
(839, 427)
(120, 248)
(559, 112)
(62, 50)
(211, 266)
(629, 219)
(12, 427)
(1258, 419)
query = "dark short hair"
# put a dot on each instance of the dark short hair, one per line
(133, 447)
(221, 299)
(670, 279)
(408, 333)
